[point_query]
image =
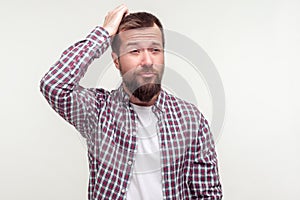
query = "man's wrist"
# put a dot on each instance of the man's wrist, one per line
(100, 36)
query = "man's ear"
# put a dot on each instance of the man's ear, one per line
(115, 58)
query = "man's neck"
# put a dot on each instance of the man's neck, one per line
(138, 102)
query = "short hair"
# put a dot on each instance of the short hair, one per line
(134, 21)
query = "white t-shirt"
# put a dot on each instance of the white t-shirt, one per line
(146, 181)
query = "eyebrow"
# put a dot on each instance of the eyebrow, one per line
(137, 43)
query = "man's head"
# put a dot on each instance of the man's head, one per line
(138, 20)
(138, 52)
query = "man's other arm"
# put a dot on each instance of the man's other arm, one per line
(205, 179)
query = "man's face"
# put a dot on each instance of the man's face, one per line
(141, 61)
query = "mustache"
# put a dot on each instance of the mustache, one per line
(146, 69)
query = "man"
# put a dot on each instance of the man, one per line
(143, 143)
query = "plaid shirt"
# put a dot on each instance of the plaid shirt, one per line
(109, 124)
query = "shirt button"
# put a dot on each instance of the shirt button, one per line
(123, 191)
(129, 162)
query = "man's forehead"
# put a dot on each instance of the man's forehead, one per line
(141, 34)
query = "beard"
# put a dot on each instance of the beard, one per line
(140, 87)
(146, 92)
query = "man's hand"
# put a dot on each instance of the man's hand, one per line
(113, 19)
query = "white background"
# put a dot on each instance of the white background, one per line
(254, 44)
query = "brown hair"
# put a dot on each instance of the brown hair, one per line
(133, 21)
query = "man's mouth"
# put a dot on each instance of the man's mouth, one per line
(147, 74)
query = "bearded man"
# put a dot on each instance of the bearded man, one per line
(143, 143)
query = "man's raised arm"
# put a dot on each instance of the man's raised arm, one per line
(60, 85)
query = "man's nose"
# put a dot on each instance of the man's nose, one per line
(146, 58)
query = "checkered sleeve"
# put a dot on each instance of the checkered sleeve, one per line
(60, 85)
(205, 181)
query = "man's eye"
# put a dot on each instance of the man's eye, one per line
(155, 50)
(134, 51)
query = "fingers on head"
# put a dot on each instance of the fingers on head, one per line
(121, 7)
